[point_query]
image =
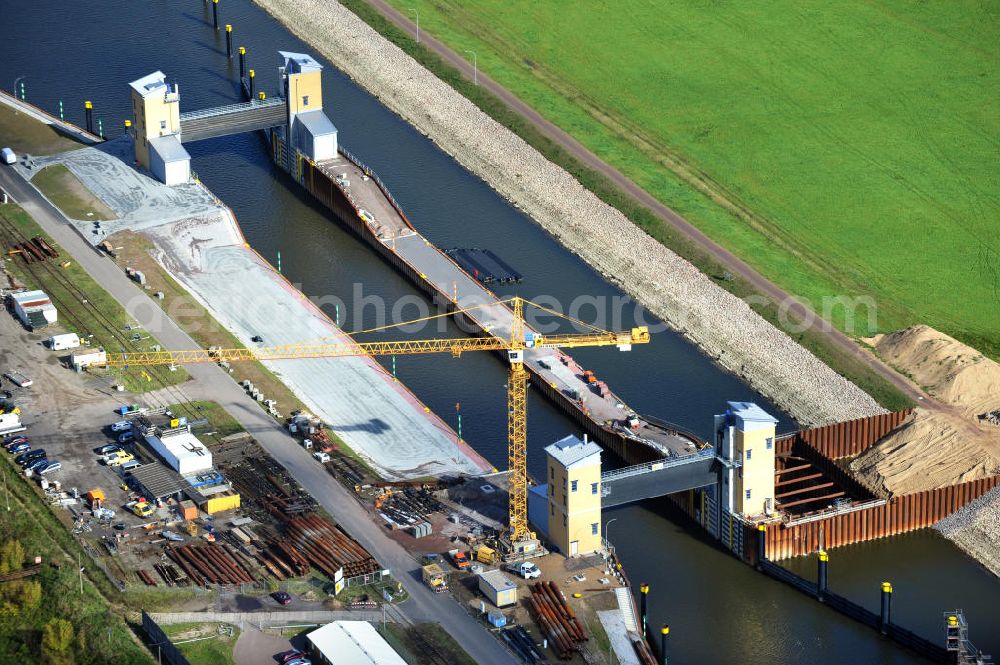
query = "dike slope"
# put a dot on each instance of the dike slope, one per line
(723, 326)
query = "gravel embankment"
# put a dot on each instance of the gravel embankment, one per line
(723, 326)
(976, 529)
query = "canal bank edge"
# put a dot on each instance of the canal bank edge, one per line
(720, 324)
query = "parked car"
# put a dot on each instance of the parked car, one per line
(37, 464)
(131, 464)
(118, 458)
(49, 468)
(108, 448)
(121, 426)
(125, 437)
(19, 447)
(283, 597)
(26, 458)
(299, 661)
(322, 457)
(141, 508)
(13, 441)
(293, 654)
(8, 156)
(257, 339)
(528, 570)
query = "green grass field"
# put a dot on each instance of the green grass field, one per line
(843, 150)
(69, 194)
(216, 650)
(22, 133)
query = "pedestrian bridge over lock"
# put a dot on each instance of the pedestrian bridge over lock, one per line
(654, 479)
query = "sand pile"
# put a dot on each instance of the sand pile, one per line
(932, 449)
(940, 447)
(947, 369)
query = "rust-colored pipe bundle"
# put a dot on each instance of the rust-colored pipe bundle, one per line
(556, 618)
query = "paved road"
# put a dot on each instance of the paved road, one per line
(211, 380)
(722, 255)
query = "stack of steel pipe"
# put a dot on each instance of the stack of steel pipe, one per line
(213, 565)
(146, 577)
(556, 618)
(328, 548)
(171, 575)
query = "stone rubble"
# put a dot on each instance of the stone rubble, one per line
(723, 326)
(976, 530)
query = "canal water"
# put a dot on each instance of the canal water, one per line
(719, 609)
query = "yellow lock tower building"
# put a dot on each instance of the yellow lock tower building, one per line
(309, 130)
(156, 129)
(573, 475)
(745, 442)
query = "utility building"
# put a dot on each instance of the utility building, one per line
(310, 131)
(574, 496)
(156, 109)
(745, 443)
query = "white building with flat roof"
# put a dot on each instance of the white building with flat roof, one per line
(351, 643)
(182, 451)
(34, 308)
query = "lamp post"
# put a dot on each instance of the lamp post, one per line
(417, 12)
(475, 67)
(606, 526)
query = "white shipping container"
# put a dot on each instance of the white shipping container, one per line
(88, 358)
(62, 342)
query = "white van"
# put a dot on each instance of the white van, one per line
(7, 156)
(121, 426)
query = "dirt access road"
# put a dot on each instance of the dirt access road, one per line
(719, 253)
(423, 605)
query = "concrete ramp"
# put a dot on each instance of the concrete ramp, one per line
(233, 119)
(653, 479)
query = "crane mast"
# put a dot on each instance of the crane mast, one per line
(521, 539)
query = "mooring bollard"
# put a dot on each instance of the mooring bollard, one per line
(229, 41)
(761, 545)
(643, 594)
(663, 644)
(886, 607)
(88, 109)
(243, 61)
(252, 75)
(215, 14)
(824, 560)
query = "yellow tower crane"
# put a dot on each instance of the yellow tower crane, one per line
(521, 539)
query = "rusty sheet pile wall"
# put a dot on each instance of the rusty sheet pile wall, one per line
(853, 437)
(900, 514)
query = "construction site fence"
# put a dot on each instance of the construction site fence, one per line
(904, 637)
(899, 514)
(160, 644)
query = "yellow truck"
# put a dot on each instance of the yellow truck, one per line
(435, 578)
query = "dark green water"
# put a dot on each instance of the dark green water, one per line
(720, 610)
